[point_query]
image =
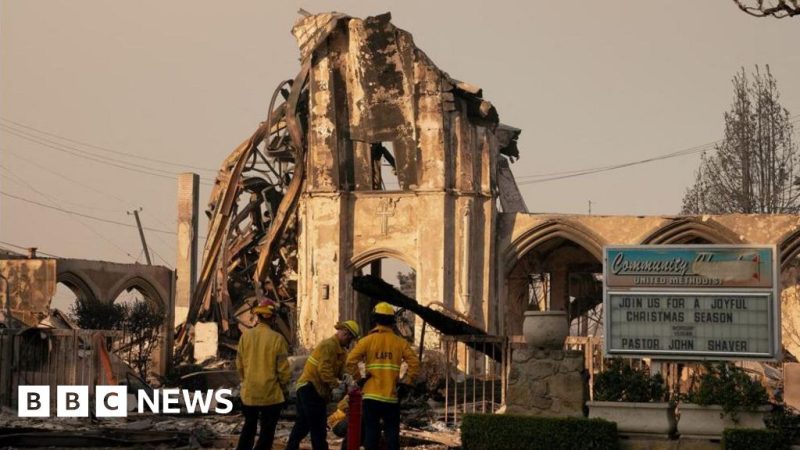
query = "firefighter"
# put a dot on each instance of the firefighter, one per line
(265, 373)
(321, 374)
(383, 352)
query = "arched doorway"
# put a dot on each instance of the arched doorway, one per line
(144, 342)
(70, 289)
(396, 270)
(555, 266)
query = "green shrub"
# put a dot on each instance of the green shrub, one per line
(749, 439)
(622, 383)
(728, 386)
(93, 314)
(508, 431)
(786, 422)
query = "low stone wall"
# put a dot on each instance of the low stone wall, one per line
(547, 383)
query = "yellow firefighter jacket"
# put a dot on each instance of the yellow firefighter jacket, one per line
(383, 352)
(324, 367)
(262, 366)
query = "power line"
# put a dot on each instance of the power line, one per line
(591, 171)
(87, 216)
(147, 170)
(82, 152)
(552, 176)
(84, 224)
(61, 175)
(14, 178)
(93, 189)
(59, 147)
(161, 258)
(27, 248)
(106, 149)
(157, 236)
(697, 149)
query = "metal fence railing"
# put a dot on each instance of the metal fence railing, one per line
(476, 376)
(477, 369)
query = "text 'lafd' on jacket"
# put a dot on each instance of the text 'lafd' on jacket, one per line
(383, 352)
(324, 367)
(263, 366)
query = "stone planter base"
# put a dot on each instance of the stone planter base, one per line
(637, 418)
(705, 421)
(546, 383)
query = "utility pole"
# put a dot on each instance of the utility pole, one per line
(7, 299)
(141, 235)
(590, 207)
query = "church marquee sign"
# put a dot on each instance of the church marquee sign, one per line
(692, 301)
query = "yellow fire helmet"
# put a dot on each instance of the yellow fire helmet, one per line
(351, 326)
(384, 309)
(266, 308)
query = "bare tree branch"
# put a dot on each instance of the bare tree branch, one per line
(771, 8)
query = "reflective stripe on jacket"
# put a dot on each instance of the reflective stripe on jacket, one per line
(383, 352)
(324, 367)
(263, 366)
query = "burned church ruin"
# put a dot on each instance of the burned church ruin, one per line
(305, 203)
(370, 152)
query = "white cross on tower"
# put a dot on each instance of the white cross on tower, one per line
(386, 209)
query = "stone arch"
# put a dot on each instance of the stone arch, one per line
(353, 307)
(689, 230)
(77, 285)
(146, 287)
(375, 254)
(552, 229)
(567, 253)
(160, 355)
(789, 248)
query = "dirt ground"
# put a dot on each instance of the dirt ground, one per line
(162, 432)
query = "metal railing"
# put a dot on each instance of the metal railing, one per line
(476, 375)
(477, 368)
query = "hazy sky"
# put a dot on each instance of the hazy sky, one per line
(590, 84)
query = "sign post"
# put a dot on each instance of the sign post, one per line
(692, 302)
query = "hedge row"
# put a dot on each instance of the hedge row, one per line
(508, 431)
(749, 439)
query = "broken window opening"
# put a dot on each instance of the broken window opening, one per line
(384, 167)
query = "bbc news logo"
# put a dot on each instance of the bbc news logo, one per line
(112, 401)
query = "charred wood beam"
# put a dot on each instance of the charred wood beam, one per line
(374, 287)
